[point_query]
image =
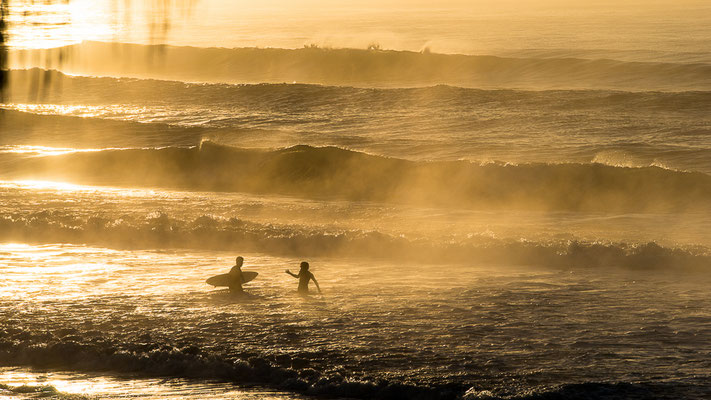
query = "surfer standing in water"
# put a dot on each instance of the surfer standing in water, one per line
(304, 277)
(236, 273)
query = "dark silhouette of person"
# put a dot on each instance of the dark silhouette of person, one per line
(304, 277)
(236, 273)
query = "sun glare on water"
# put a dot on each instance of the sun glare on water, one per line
(39, 185)
(49, 24)
(46, 185)
(41, 151)
(35, 25)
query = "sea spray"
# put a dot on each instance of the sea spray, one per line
(334, 173)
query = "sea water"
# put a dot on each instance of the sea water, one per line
(410, 329)
(498, 201)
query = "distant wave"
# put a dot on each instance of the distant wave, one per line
(208, 232)
(35, 129)
(365, 67)
(637, 55)
(334, 173)
(436, 122)
(61, 87)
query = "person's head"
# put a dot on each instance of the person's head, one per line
(238, 261)
(304, 265)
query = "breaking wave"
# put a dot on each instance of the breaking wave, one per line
(335, 173)
(149, 354)
(303, 97)
(159, 230)
(437, 122)
(365, 67)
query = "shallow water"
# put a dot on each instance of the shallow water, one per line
(510, 330)
(55, 384)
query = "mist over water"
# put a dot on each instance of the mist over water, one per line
(499, 200)
(371, 67)
(429, 123)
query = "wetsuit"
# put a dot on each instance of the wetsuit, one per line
(237, 280)
(304, 278)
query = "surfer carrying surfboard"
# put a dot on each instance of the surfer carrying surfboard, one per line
(236, 274)
(304, 276)
(233, 279)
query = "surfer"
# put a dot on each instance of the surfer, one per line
(304, 276)
(233, 279)
(236, 273)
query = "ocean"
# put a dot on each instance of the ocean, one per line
(499, 200)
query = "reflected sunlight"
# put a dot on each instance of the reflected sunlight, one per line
(30, 184)
(35, 25)
(41, 151)
(503, 199)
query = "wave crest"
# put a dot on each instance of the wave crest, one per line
(160, 230)
(370, 67)
(335, 173)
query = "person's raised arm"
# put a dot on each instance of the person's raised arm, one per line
(313, 278)
(292, 274)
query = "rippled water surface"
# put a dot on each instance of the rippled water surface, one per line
(508, 329)
(505, 200)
